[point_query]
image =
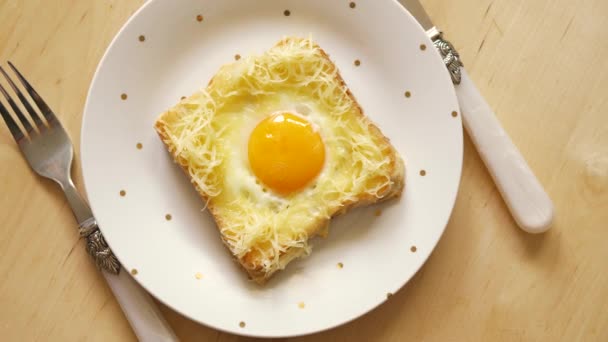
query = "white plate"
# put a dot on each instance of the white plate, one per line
(163, 53)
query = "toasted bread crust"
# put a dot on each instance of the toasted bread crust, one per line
(252, 264)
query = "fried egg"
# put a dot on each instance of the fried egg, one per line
(280, 150)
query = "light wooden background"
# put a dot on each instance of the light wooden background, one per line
(542, 64)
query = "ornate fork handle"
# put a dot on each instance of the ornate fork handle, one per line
(97, 246)
(88, 229)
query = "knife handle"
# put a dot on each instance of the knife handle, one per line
(525, 197)
(142, 313)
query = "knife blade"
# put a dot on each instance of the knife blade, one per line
(416, 9)
(524, 195)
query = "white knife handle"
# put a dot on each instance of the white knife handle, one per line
(522, 192)
(142, 313)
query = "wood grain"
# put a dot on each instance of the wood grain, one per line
(541, 64)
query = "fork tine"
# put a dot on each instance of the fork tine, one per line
(44, 108)
(23, 100)
(9, 99)
(12, 125)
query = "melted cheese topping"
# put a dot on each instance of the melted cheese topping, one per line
(210, 130)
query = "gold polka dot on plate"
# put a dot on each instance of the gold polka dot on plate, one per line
(198, 276)
(423, 173)
(454, 114)
(182, 98)
(287, 13)
(388, 295)
(413, 249)
(422, 47)
(301, 305)
(408, 94)
(122, 193)
(139, 146)
(134, 272)
(242, 324)
(199, 18)
(357, 62)
(142, 38)
(123, 96)
(352, 4)
(237, 57)
(340, 265)
(378, 212)
(168, 217)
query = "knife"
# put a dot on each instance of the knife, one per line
(525, 197)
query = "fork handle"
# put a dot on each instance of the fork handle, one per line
(143, 315)
(80, 208)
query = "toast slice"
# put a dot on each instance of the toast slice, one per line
(207, 133)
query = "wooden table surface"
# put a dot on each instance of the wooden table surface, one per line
(541, 64)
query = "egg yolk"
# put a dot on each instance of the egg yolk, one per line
(285, 152)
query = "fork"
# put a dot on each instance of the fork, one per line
(47, 148)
